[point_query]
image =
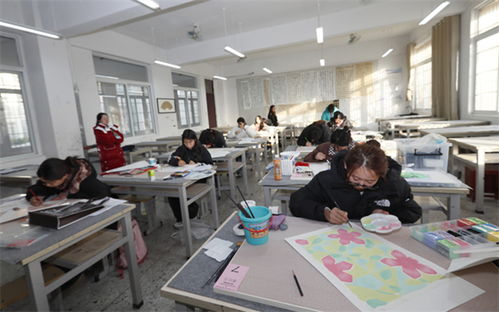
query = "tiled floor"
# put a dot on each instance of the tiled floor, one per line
(166, 255)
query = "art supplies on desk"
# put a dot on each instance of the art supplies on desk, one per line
(375, 274)
(459, 238)
(302, 173)
(64, 215)
(381, 223)
(19, 208)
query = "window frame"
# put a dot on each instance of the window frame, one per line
(413, 70)
(126, 83)
(22, 71)
(189, 107)
(474, 38)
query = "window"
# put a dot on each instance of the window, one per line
(16, 138)
(125, 95)
(485, 56)
(420, 81)
(187, 99)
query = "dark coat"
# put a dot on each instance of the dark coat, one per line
(213, 137)
(91, 187)
(392, 193)
(273, 120)
(324, 133)
(198, 154)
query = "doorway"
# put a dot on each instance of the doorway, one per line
(210, 102)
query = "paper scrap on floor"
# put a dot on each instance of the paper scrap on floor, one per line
(218, 249)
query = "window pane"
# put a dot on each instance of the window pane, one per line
(184, 81)
(139, 101)
(488, 17)
(118, 69)
(8, 52)
(486, 73)
(422, 86)
(15, 138)
(113, 102)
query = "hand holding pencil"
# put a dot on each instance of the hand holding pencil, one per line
(35, 200)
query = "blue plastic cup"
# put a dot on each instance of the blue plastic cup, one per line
(256, 229)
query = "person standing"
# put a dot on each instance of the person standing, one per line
(272, 117)
(108, 139)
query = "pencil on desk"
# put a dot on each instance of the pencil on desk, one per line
(297, 283)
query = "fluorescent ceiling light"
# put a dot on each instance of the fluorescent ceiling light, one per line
(235, 52)
(319, 31)
(166, 64)
(108, 77)
(265, 69)
(434, 12)
(322, 62)
(30, 30)
(387, 52)
(153, 5)
(220, 77)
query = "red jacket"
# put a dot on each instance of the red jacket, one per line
(108, 139)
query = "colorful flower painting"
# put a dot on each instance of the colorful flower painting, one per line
(373, 270)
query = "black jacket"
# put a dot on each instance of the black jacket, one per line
(392, 193)
(198, 154)
(324, 133)
(91, 187)
(213, 137)
(273, 120)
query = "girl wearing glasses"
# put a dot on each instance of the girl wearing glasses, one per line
(361, 181)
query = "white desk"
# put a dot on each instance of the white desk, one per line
(188, 191)
(456, 132)
(32, 256)
(228, 164)
(26, 175)
(486, 151)
(407, 129)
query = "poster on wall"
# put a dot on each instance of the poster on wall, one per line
(165, 105)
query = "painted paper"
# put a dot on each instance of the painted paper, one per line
(375, 274)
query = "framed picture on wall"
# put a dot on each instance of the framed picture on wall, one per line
(166, 105)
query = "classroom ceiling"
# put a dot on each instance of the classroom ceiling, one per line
(254, 27)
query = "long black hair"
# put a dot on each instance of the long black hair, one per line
(54, 168)
(99, 117)
(270, 110)
(189, 134)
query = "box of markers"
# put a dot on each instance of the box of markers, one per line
(454, 237)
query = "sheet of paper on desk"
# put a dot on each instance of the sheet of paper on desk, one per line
(19, 233)
(11, 170)
(19, 208)
(248, 141)
(318, 167)
(112, 202)
(375, 274)
(135, 165)
(218, 249)
(429, 178)
(232, 277)
(305, 149)
(220, 152)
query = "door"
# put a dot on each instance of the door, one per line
(210, 102)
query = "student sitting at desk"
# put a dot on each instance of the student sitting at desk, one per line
(330, 110)
(212, 138)
(340, 140)
(241, 131)
(361, 181)
(314, 134)
(70, 178)
(260, 128)
(190, 152)
(339, 121)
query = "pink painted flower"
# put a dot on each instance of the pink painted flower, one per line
(347, 237)
(302, 241)
(338, 268)
(410, 266)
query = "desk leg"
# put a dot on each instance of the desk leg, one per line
(454, 207)
(480, 170)
(267, 195)
(213, 201)
(245, 172)
(133, 270)
(232, 179)
(452, 163)
(184, 209)
(36, 285)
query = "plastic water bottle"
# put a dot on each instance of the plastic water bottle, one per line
(277, 169)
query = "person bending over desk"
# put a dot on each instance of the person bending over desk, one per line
(361, 181)
(212, 138)
(314, 134)
(327, 114)
(340, 121)
(241, 131)
(341, 139)
(70, 178)
(189, 153)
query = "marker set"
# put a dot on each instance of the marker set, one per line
(457, 238)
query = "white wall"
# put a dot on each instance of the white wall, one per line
(394, 91)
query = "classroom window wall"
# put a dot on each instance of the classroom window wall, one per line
(16, 138)
(421, 77)
(125, 95)
(485, 58)
(188, 110)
